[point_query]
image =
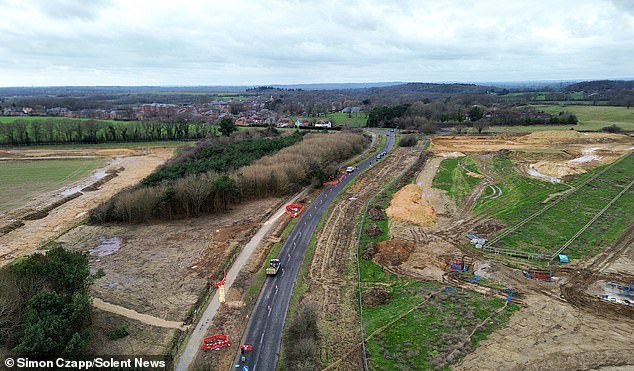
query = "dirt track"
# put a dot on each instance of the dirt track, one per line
(36, 233)
(551, 335)
(330, 279)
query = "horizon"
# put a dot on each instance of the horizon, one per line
(372, 83)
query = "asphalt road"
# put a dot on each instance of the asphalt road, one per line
(266, 323)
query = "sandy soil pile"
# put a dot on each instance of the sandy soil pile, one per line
(408, 205)
(557, 169)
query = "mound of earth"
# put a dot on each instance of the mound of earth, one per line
(376, 213)
(370, 251)
(374, 231)
(409, 205)
(557, 169)
(393, 252)
(570, 136)
(375, 296)
(115, 152)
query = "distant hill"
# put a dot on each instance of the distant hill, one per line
(602, 85)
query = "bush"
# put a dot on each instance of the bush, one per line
(612, 129)
(45, 304)
(119, 333)
(408, 141)
(302, 339)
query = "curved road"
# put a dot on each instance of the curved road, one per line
(264, 330)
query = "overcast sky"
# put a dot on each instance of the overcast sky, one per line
(231, 42)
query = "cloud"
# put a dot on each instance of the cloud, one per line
(63, 42)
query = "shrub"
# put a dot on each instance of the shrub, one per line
(119, 333)
(408, 141)
(302, 339)
(612, 129)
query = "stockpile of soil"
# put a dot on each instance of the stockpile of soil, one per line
(409, 205)
(374, 231)
(370, 251)
(393, 252)
(375, 296)
(376, 214)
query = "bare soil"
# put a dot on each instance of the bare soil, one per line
(143, 339)
(35, 233)
(161, 268)
(375, 296)
(409, 205)
(552, 335)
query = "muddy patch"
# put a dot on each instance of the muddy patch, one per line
(393, 252)
(375, 296)
(107, 246)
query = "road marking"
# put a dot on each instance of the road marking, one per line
(261, 338)
(269, 311)
(276, 289)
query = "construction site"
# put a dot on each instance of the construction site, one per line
(545, 222)
(521, 247)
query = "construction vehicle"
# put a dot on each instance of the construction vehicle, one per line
(274, 267)
(215, 342)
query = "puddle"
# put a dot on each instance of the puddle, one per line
(97, 175)
(536, 173)
(107, 246)
(587, 156)
(614, 292)
(70, 191)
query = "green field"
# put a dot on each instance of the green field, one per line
(130, 145)
(594, 117)
(425, 338)
(22, 180)
(521, 195)
(550, 230)
(452, 178)
(359, 119)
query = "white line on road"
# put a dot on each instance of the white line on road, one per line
(261, 338)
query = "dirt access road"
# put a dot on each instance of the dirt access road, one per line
(330, 280)
(35, 233)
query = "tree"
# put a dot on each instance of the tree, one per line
(475, 113)
(480, 125)
(227, 126)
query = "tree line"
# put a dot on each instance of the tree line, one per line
(459, 114)
(61, 131)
